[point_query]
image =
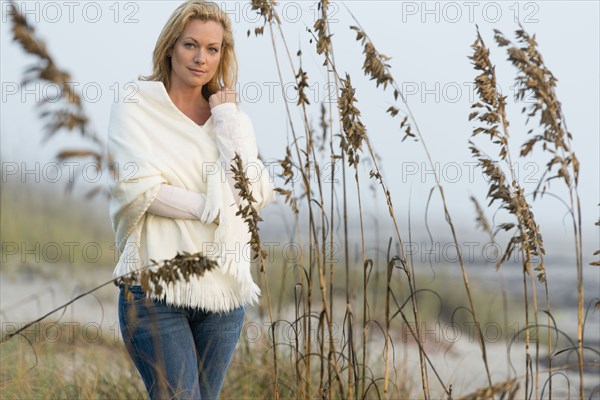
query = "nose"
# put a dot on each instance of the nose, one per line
(199, 58)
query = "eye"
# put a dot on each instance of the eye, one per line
(188, 44)
(215, 49)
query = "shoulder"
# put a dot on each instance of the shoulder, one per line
(128, 108)
(136, 97)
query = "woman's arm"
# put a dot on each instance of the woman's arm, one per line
(177, 202)
(235, 134)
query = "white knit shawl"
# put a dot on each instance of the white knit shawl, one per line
(152, 142)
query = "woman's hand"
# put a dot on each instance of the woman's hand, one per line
(224, 95)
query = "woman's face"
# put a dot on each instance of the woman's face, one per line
(196, 54)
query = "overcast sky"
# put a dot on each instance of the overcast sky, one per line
(104, 45)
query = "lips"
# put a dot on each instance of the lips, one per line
(197, 71)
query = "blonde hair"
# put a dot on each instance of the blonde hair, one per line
(191, 10)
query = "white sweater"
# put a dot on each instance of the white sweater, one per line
(177, 202)
(153, 143)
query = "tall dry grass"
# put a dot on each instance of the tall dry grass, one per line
(351, 353)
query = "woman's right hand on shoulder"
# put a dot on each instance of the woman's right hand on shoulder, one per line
(224, 95)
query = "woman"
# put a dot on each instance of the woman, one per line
(172, 145)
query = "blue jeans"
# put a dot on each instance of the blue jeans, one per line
(180, 352)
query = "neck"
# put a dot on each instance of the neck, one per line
(188, 96)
